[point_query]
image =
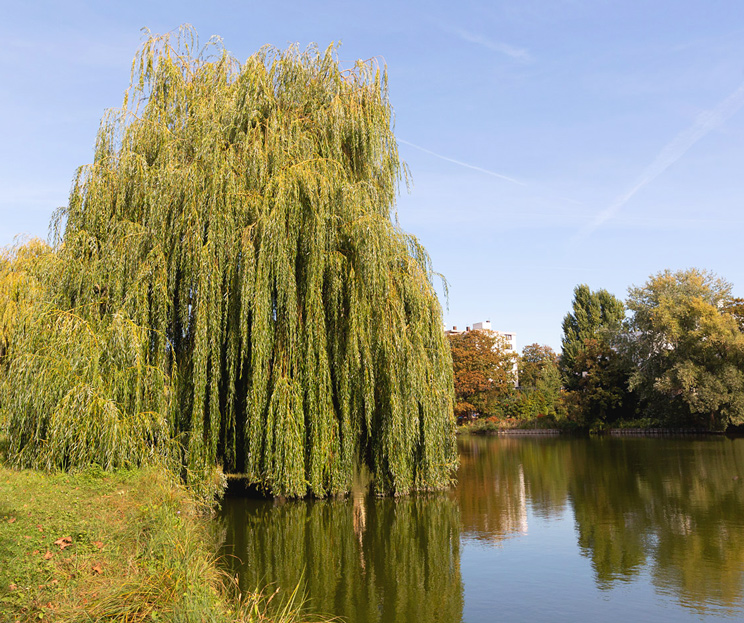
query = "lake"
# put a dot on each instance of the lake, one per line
(536, 529)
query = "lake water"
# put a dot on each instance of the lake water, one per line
(537, 529)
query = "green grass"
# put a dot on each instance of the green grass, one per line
(139, 550)
(494, 425)
(646, 422)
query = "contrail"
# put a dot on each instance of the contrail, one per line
(519, 54)
(705, 122)
(462, 164)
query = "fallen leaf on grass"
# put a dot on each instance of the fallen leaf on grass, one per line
(12, 520)
(97, 570)
(98, 544)
(63, 542)
(26, 537)
(48, 555)
(13, 587)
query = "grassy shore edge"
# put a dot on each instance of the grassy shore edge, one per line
(130, 545)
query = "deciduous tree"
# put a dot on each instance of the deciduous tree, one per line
(600, 393)
(735, 307)
(533, 362)
(242, 215)
(688, 352)
(539, 383)
(483, 370)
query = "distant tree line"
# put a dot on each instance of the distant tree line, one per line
(671, 355)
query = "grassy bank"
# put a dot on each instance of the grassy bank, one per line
(640, 426)
(494, 425)
(126, 546)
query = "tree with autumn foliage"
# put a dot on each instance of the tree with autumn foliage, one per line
(483, 371)
(734, 307)
(686, 342)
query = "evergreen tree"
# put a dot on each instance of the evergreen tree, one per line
(594, 314)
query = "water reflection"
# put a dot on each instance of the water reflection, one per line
(672, 509)
(498, 476)
(491, 492)
(640, 513)
(365, 559)
(680, 510)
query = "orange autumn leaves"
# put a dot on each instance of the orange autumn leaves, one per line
(64, 542)
(483, 370)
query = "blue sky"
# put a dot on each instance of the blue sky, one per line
(550, 142)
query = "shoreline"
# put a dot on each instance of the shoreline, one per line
(610, 432)
(123, 545)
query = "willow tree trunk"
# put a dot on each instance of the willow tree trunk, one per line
(245, 214)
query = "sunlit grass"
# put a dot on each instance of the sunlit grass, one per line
(140, 550)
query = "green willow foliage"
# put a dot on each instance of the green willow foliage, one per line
(74, 391)
(75, 388)
(101, 402)
(244, 214)
(21, 287)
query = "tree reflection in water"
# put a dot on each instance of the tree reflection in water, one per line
(365, 559)
(671, 507)
(664, 512)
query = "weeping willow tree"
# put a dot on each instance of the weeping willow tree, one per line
(244, 215)
(22, 271)
(75, 386)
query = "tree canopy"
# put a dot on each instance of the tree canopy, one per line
(735, 307)
(688, 349)
(593, 313)
(238, 221)
(539, 392)
(483, 370)
(534, 361)
(599, 393)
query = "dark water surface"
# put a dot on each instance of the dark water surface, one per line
(537, 529)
